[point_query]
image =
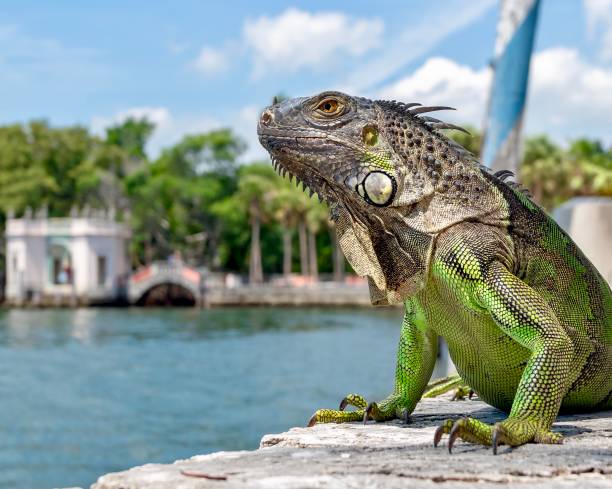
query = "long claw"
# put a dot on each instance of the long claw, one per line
(495, 440)
(343, 404)
(312, 421)
(454, 434)
(406, 416)
(438, 435)
(368, 411)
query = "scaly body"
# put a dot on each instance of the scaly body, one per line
(527, 318)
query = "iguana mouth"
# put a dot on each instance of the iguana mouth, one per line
(280, 145)
(313, 184)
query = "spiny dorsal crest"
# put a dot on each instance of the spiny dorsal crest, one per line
(505, 176)
(414, 109)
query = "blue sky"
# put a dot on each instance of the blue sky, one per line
(192, 65)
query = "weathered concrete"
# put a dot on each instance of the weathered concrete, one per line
(393, 455)
(321, 294)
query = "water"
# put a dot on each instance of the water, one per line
(89, 391)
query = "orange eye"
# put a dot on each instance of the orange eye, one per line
(330, 106)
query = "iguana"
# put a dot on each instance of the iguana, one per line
(527, 317)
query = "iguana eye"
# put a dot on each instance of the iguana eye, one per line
(330, 106)
(378, 188)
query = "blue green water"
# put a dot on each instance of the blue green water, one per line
(89, 391)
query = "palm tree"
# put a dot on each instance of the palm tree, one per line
(286, 205)
(301, 205)
(256, 185)
(316, 217)
(337, 254)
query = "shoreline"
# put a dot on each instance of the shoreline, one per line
(323, 294)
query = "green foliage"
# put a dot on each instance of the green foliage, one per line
(172, 199)
(48, 167)
(131, 136)
(211, 152)
(554, 175)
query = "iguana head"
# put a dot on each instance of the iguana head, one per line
(331, 142)
(364, 153)
(386, 169)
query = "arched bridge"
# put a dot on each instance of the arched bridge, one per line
(167, 278)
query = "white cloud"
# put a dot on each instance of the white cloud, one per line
(599, 16)
(568, 96)
(327, 41)
(211, 61)
(415, 40)
(169, 128)
(296, 39)
(245, 125)
(441, 81)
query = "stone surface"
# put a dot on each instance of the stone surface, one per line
(393, 455)
(321, 294)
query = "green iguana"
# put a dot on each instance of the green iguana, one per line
(527, 317)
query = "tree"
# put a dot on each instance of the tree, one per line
(58, 168)
(253, 197)
(338, 260)
(286, 203)
(172, 199)
(23, 181)
(553, 175)
(316, 218)
(212, 152)
(131, 136)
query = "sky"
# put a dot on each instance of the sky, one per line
(191, 66)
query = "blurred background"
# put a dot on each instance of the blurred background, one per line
(131, 175)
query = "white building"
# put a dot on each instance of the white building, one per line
(76, 260)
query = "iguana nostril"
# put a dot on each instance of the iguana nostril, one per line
(266, 117)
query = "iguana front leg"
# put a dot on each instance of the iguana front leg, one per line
(416, 357)
(525, 316)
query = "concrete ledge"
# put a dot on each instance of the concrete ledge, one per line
(321, 294)
(393, 455)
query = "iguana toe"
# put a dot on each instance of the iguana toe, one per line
(442, 429)
(334, 416)
(372, 411)
(468, 429)
(354, 400)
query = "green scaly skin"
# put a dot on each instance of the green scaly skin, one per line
(527, 318)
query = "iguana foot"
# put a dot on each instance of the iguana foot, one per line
(513, 432)
(391, 408)
(461, 392)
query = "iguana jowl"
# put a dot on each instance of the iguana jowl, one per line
(527, 318)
